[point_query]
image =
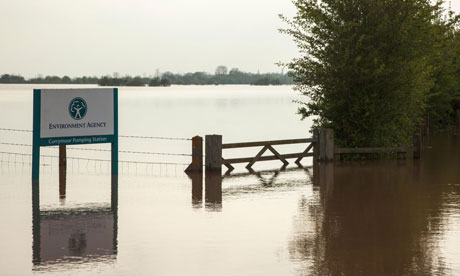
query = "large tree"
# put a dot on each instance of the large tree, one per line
(366, 66)
(444, 98)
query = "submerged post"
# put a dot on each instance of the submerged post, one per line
(197, 155)
(213, 160)
(62, 171)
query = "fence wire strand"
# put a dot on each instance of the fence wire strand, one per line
(155, 137)
(90, 159)
(120, 136)
(105, 150)
(15, 130)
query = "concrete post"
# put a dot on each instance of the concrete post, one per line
(316, 145)
(316, 158)
(197, 155)
(326, 144)
(213, 160)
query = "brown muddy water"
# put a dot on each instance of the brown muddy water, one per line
(351, 218)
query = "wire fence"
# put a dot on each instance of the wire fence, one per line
(8, 156)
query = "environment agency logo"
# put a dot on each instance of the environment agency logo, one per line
(77, 108)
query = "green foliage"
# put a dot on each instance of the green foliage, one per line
(11, 79)
(235, 76)
(159, 82)
(6, 78)
(266, 81)
(136, 81)
(444, 97)
(369, 67)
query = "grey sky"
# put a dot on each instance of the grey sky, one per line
(98, 37)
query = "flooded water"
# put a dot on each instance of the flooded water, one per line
(352, 218)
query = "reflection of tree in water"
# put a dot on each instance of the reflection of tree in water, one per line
(377, 219)
(77, 244)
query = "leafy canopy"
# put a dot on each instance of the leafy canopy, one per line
(366, 66)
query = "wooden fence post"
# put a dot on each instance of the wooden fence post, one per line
(326, 144)
(417, 145)
(62, 171)
(197, 155)
(213, 160)
(458, 122)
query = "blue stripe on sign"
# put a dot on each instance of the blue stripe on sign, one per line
(76, 140)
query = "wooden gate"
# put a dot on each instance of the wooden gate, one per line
(269, 145)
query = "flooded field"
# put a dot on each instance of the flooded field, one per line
(351, 218)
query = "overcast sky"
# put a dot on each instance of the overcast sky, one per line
(99, 37)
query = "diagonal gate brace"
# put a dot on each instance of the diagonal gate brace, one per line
(297, 161)
(262, 151)
(230, 168)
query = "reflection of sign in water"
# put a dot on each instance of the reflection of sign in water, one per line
(77, 108)
(79, 236)
(77, 244)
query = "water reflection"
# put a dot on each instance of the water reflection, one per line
(271, 179)
(380, 218)
(213, 191)
(214, 180)
(197, 189)
(77, 235)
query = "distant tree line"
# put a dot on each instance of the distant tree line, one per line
(6, 78)
(221, 76)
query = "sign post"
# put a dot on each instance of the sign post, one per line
(70, 117)
(75, 116)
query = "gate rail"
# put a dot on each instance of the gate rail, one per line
(268, 145)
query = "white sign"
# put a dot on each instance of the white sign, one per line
(76, 112)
